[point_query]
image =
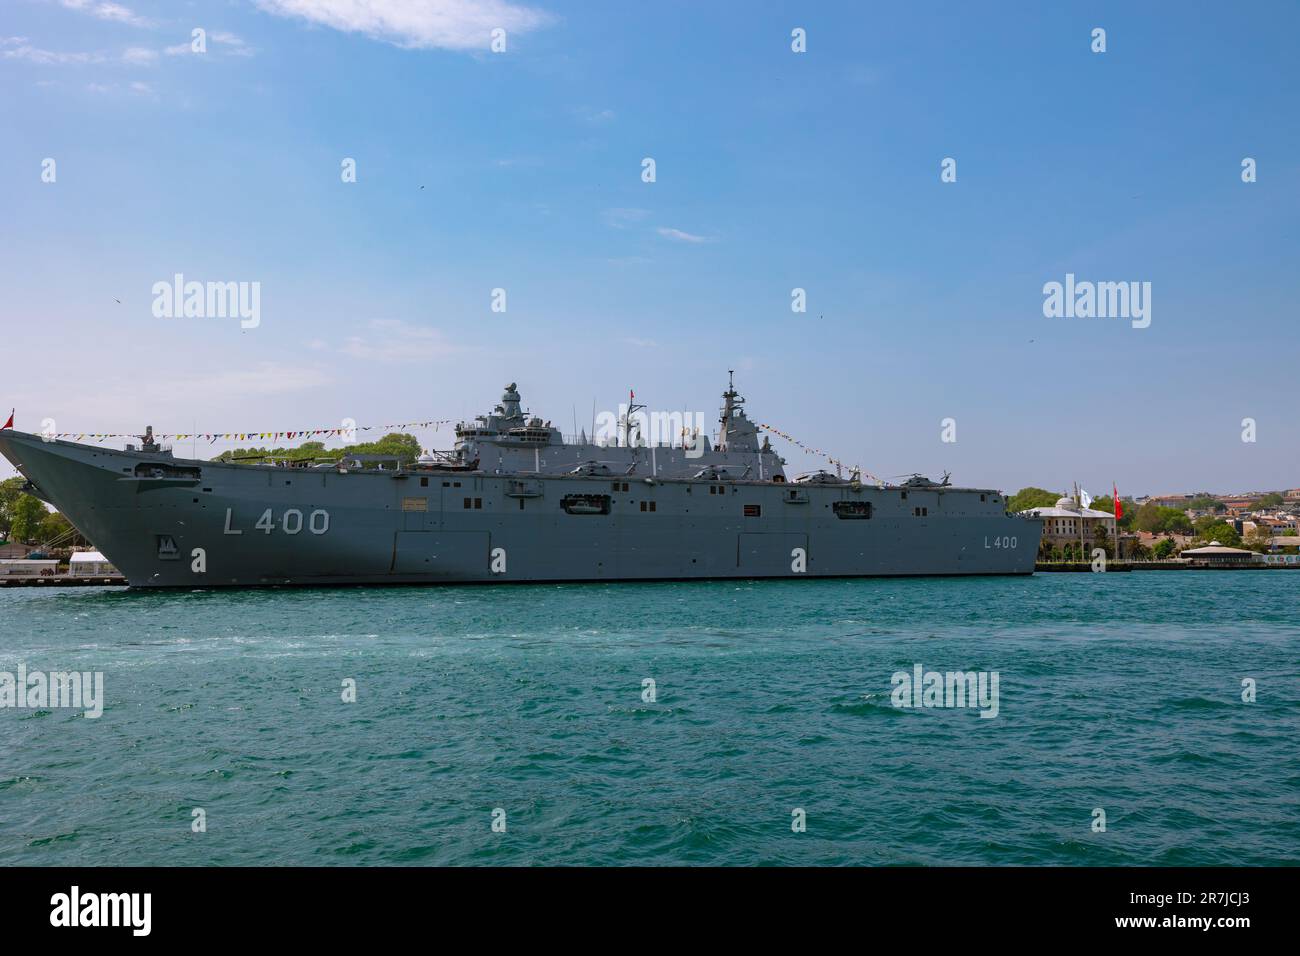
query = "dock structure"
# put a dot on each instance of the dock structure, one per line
(1078, 566)
(62, 580)
(1187, 565)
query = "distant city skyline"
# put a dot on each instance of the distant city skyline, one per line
(517, 178)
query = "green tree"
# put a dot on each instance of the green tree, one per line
(56, 529)
(1164, 548)
(1206, 502)
(1208, 530)
(28, 513)
(1208, 527)
(1155, 519)
(1101, 538)
(404, 446)
(10, 491)
(1147, 518)
(1259, 540)
(1031, 497)
(1273, 499)
(1127, 505)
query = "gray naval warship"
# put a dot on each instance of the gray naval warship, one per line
(513, 501)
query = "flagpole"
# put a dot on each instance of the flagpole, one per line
(1115, 509)
(1078, 501)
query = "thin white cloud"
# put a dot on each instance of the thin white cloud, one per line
(620, 217)
(393, 341)
(680, 236)
(221, 42)
(140, 56)
(17, 48)
(137, 88)
(20, 48)
(267, 378)
(231, 44)
(112, 12)
(417, 24)
(594, 116)
(140, 400)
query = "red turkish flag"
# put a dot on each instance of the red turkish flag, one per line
(1119, 508)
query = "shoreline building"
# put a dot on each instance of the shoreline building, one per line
(90, 564)
(1215, 555)
(1067, 523)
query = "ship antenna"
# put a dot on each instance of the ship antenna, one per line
(632, 408)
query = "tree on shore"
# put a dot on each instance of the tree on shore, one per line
(1031, 497)
(28, 513)
(1164, 549)
(11, 490)
(55, 529)
(1128, 506)
(404, 446)
(1137, 551)
(1211, 529)
(1259, 540)
(1155, 519)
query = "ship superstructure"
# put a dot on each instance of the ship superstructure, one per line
(508, 440)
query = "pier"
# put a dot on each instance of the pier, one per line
(1079, 566)
(62, 580)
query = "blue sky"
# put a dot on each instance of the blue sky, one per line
(775, 170)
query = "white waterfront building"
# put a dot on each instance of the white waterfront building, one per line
(1066, 521)
(90, 564)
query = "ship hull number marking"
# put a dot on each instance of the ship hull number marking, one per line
(291, 522)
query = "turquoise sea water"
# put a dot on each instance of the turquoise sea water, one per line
(1116, 691)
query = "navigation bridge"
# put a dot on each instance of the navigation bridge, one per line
(508, 440)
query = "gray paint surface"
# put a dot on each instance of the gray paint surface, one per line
(668, 513)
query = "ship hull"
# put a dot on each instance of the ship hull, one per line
(168, 523)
